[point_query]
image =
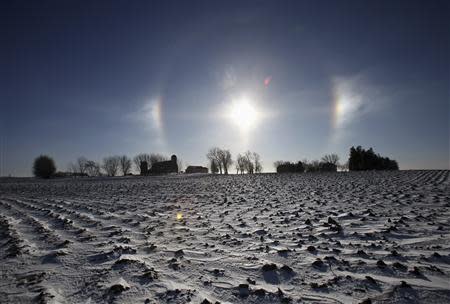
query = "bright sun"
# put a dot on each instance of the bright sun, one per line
(243, 114)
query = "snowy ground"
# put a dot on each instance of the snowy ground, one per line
(314, 238)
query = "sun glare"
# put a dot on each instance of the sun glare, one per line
(243, 114)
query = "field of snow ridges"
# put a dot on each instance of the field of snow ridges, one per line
(314, 238)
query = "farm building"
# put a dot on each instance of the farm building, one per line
(164, 167)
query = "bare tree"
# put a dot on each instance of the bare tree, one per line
(111, 165)
(141, 158)
(257, 162)
(81, 165)
(331, 158)
(225, 159)
(248, 164)
(92, 168)
(220, 157)
(228, 161)
(240, 164)
(213, 156)
(125, 164)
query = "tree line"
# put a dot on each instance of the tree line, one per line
(220, 161)
(44, 166)
(115, 165)
(328, 163)
(359, 160)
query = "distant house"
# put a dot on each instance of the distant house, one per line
(196, 169)
(165, 167)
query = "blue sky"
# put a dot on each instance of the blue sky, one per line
(99, 78)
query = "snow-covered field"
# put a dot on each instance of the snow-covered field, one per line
(314, 238)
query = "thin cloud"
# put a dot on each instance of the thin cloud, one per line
(229, 78)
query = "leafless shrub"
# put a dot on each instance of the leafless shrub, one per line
(125, 164)
(111, 165)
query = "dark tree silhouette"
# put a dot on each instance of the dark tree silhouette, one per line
(288, 167)
(44, 167)
(214, 167)
(81, 166)
(225, 159)
(305, 166)
(221, 157)
(125, 164)
(361, 159)
(213, 156)
(249, 162)
(240, 164)
(92, 168)
(327, 167)
(313, 166)
(257, 162)
(111, 165)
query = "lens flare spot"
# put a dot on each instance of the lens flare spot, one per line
(267, 80)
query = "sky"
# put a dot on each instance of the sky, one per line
(291, 80)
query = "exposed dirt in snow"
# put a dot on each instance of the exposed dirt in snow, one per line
(315, 238)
